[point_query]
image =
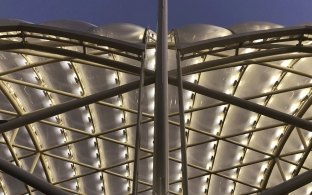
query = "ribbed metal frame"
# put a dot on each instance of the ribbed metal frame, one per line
(273, 52)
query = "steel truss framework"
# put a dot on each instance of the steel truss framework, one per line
(117, 148)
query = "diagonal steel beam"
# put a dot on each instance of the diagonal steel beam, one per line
(70, 105)
(70, 34)
(269, 112)
(290, 185)
(29, 179)
(277, 152)
(244, 37)
(136, 165)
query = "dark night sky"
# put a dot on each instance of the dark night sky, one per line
(143, 12)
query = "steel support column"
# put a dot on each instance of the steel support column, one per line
(290, 185)
(161, 135)
(135, 186)
(29, 179)
(182, 127)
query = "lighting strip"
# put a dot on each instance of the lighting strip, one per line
(86, 111)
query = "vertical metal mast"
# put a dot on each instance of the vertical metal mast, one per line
(161, 135)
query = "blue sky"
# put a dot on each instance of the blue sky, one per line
(143, 12)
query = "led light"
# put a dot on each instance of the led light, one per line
(121, 132)
(194, 78)
(126, 167)
(120, 102)
(124, 154)
(82, 108)
(259, 178)
(68, 165)
(221, 108)
(266, 90)
(65, 65)
(274, 79)
(86, 117)
(230, 187)
(218, 119)
(188, 94)
(178, 187)
(188, 105)
(71, 78)
(278, 132)
(32, 77)
(252, 119)
(248, 50)
(78, 91)
(294, 107)
(303, 93)
(179, 167)
(197, 61)
(285, 63)
(258, 40)
(94, 153)
(99, 186)
(99, 175)
(205, 189)
(309, 190)
(113, 78)
(232, 79)
(228, 91)
(151, 92)
(151, 64)
(216, 130)
(46, 103)
(73, 185)
(151, 131)
(187, 116)
(244, 141)
(96, 163)
(297, 157)
(89, 128)
(21, 61)
(239, 156)
(91, 141)
(213, 145)
(151, 106)
(274, 144)
(288, 176)
(150, 165)
(261, 100)
(209, 165)
(120, 118)
(7, 152)
(124, 139)
(237, 68)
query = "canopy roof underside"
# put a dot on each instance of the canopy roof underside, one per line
(89, 149)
